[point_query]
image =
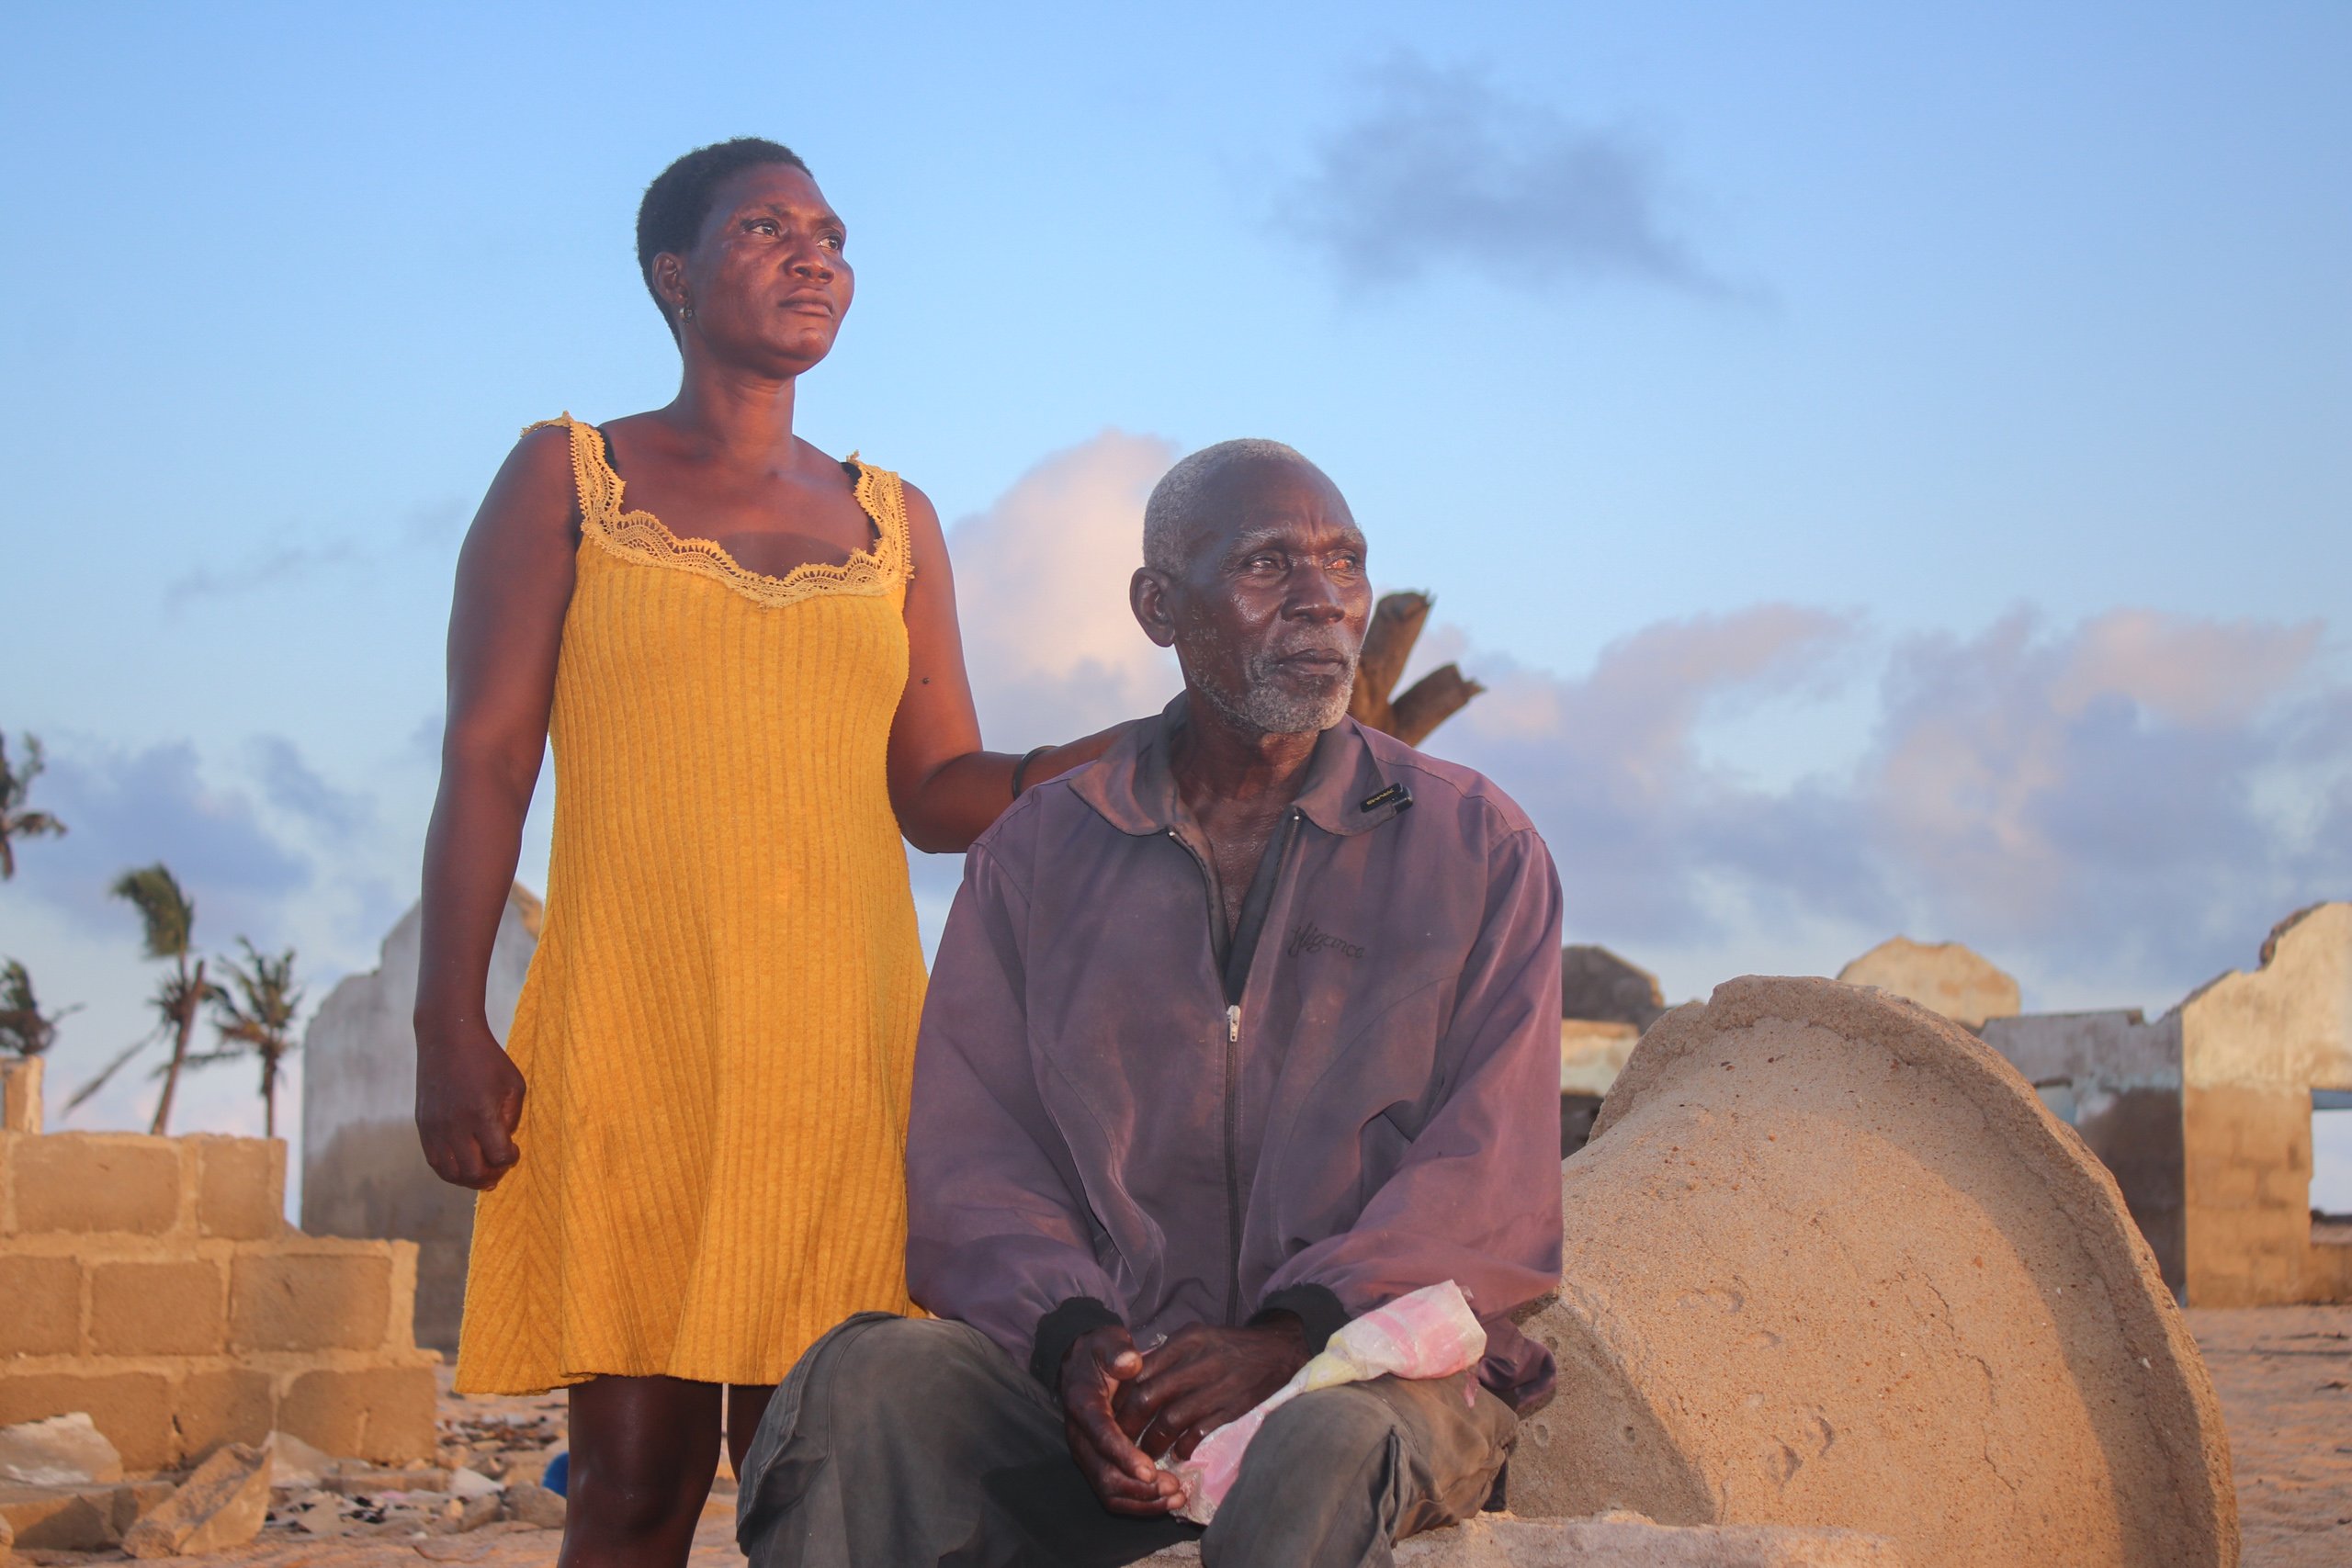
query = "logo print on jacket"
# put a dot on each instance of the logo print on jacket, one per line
(1307, 937)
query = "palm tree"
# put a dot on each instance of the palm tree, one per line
(25, 1030)
(1388, 641)
(257, 1021)
(169, 916)
(16, 819)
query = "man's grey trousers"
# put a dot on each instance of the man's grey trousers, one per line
(902, 1442)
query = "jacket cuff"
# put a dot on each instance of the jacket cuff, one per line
(1314, 1306)
(1059, 1329)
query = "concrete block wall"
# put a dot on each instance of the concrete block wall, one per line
(155, 1283)
(2254, 1045)
(2248, 1168)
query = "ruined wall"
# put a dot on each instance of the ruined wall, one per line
(2254, 1044)
(155, 1283)
(363, 1174)
(2122, 1075)
(1942, 976)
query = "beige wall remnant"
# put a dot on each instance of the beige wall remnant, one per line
(1596, 983)
(1831, 1263)
(2204, 1115)
(2116, 1077)
(2254, 1046)
(1605, 1003)
(363, 1174)
(1942, 976)
(155, 1283)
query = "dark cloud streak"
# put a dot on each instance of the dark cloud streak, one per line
(1442, 169)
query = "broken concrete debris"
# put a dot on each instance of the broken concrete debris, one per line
(535, 1506)
(224, 1503)
(1831, 1262)
(63, 1450)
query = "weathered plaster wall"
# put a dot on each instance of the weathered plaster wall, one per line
(2124, 1075)
(363, 1174)
(2254, 1044)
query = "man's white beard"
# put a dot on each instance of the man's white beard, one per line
(1265, 707)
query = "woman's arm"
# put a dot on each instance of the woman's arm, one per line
(514, 585)
(945, 788)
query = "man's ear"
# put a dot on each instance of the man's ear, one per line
(1147, 597)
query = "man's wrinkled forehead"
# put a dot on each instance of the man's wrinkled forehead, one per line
(1254, 501)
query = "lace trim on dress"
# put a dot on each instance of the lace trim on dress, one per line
(643, 538)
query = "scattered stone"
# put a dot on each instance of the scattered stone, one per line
(64, 1451)
(1942, 976)
(466, 1482)
(368, 1480)
(224, 1503)
(295, 1465)
(1596, 983)
(484, 1508)
(1829, 1262)
(536, 1506)
(1592, 1053)
(78, 1518)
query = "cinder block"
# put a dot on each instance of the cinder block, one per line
(40, 1307)
(165, 1308)
(133, 1409)
(232, 1405)
(90, 1182)
(310, 1300)
(241, 1187)
(20, 1094)
(383, 1414)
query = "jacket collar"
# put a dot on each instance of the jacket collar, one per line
(1348, 789)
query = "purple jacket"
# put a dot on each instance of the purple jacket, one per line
(1122, 1113)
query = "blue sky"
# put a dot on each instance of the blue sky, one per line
(1893, 465)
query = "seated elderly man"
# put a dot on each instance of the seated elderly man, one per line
(1249, 1028)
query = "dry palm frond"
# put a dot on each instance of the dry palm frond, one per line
(110, 1070)
(168, 913)
(257, 1019)
(15, 820)
(260, 1015)
(25, 1030)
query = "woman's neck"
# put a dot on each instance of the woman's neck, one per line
(733, 410)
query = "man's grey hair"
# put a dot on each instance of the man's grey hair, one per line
(1169, 515)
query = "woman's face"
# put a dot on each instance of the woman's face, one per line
(766, 278)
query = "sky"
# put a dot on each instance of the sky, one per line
(1891, 465)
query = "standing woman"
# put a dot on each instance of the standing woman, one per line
(691, 1153)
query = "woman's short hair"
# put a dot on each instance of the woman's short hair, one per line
(679, 199)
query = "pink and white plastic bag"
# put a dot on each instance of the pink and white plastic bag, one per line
(1430, 1332)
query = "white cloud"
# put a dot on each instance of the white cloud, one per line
(1041, 586)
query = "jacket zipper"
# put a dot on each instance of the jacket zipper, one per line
(1233, 1062)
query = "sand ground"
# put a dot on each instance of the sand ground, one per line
(2284, 1375)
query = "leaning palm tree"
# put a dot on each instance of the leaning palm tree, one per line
(25, 1030)
(257, 1019)
(18, 820)
(169, 916)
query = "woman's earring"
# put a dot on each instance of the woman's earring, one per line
(685, 309)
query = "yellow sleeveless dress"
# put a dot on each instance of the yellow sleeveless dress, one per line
(719, 1027)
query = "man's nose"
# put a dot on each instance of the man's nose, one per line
(1315, 597)
(812, 262)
